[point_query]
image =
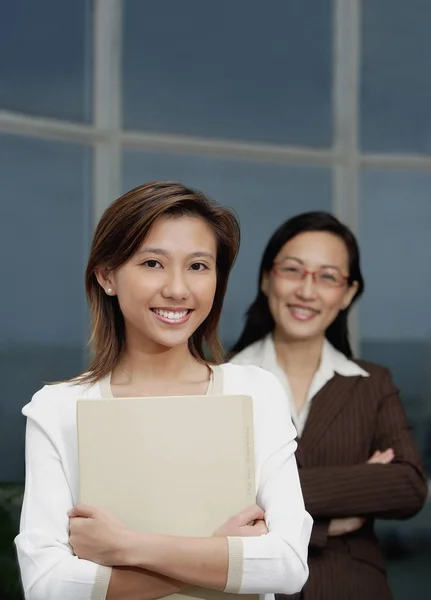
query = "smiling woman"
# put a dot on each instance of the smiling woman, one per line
(156, 280)
(160, 247)
(358, 460)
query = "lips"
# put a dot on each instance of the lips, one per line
(172, 316)
(302, 313)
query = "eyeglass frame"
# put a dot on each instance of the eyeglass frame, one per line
(306, 272)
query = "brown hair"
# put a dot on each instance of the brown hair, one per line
(120, 233)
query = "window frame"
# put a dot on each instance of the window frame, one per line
(108, 140)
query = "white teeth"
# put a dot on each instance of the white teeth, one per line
(303, 311)
(171, 315)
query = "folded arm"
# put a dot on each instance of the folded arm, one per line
(387, 491)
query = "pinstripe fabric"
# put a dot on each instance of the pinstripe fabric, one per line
(350, 418)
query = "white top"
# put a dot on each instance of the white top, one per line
(272, 563)
(262, 354)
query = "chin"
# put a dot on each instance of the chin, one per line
(302, 333)
(169, 343)
(173, 340)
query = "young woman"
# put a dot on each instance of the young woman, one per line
(358, 460)
(155, 281)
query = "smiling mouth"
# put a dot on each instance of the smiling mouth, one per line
(302, 313)
(172, 316)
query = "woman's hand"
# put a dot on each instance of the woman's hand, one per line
(248, 523)
(97, 536)
(350, 524)
(381, 458)
(343, 526)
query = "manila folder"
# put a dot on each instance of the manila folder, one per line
(169, 465)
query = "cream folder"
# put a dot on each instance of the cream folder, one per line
(169, 465)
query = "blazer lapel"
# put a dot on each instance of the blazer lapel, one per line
(324, 408)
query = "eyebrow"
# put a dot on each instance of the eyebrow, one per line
(162, 252)
(302, 263)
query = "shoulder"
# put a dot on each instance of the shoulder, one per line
(251, 355)
(273, 425)
(379, 384)
(63, 392)
(250, 379)
(244, 371)
(55, 401)
(376, 371)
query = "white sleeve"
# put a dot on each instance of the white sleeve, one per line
(275, 562)
(49, 569)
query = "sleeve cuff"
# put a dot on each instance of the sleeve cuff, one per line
(236, 561)
(101, 583)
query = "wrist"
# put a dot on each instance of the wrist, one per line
(131, 550)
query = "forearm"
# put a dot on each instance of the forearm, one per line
(202, 562)
(131, 583)
(384, 491)
(252, 565)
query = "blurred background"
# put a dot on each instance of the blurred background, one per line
(272, 108)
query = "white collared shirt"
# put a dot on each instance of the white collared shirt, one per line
(262, 354)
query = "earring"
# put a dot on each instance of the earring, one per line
(109, 291)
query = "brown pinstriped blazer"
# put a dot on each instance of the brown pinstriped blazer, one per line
(349, 419)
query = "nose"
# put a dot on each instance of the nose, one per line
(307, 288)
(175, 286)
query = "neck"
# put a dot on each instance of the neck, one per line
(150, 362)
(298, 358)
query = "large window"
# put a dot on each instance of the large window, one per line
(272, 108)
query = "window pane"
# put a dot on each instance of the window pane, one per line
(44, 230)
(395, 224)
(45, 58)
(395, 232)
(230, 69)
(396, 76)
(262, 194)
(395, 311)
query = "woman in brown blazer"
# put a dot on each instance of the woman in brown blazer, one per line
(357, 457)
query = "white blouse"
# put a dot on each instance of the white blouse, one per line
(272, 563)
(262, 354)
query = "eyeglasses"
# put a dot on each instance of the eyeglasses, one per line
(325, 276)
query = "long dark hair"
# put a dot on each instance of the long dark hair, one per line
(259, 321)
(121, 230)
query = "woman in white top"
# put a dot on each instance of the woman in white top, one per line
(358, 460)
(155, 281)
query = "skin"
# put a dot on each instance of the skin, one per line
(172, 274)
(303, 311)
(174, 270)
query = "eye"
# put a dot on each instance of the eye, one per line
(152, 264)
(198, 267)
(289, 269)
(331, 278)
